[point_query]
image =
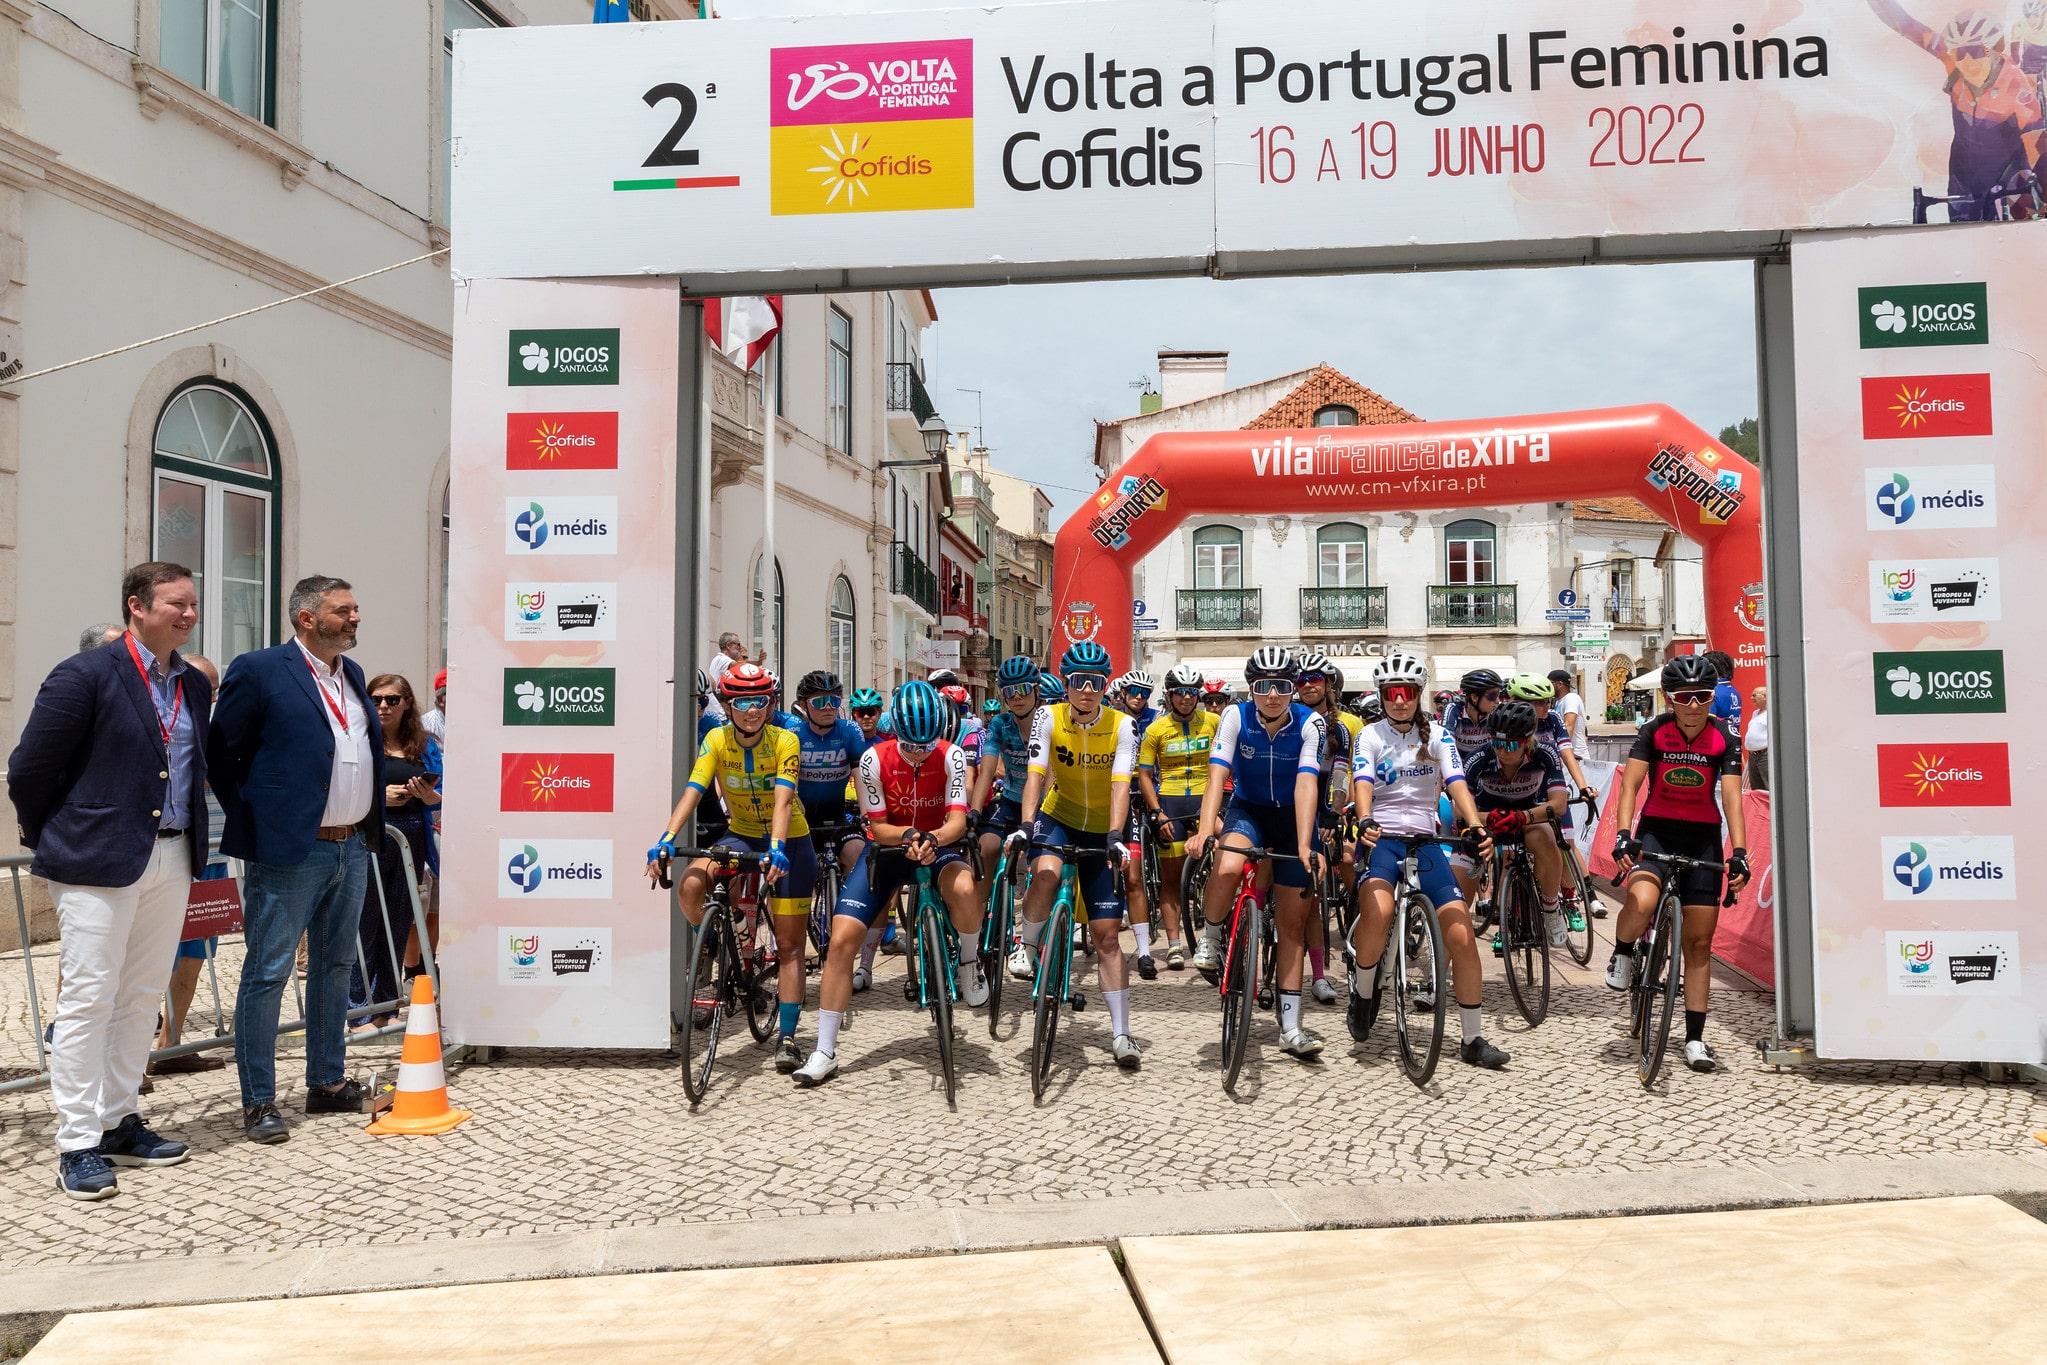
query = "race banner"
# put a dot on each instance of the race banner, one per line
(212, 908)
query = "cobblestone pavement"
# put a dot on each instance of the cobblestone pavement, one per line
(568, 1141)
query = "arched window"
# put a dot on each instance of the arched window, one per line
(216, 512)
(1340, 555)
(840, 649)
(1469, 551)
(759, 632)
(1336, 415)
(1218, 557)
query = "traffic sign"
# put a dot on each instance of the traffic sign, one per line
(1137, 608)
(1146, 623)
(1568, 597)
(1568, 614)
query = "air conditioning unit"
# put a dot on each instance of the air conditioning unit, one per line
(1652, 642)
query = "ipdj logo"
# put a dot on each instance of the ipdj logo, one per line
(1917, 957)
(525, 869)
(1898, 583)
(525, 949)
(1913, 869)
(532, 604)
(531, 526)
(1895, 499)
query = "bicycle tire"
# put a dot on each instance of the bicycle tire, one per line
(1664, 974)
(1419, 949)
(1048, 994)
(1240, 972)
(995, 937)
(1581, 943)
(931, 954)
(1526, 942)
(824, 903)
(1153, 883)
(759, 977)
(703, 982)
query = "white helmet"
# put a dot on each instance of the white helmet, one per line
(1971, 28)
(1269, 661)
(1400, 668)
(1184, 675)
(1137, 677)
(1310, 660)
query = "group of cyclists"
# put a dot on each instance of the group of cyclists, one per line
(1077, 765)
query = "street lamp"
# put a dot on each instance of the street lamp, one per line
(934, 431)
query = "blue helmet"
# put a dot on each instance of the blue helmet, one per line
(921, 716)
(1084, 656)
(1050, 689)
(1016, 669)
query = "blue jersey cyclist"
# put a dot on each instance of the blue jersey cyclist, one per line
(830, 748)
(1005, 759)
(1270, 747)
(1518, 785)
(1399, 770)
(1478, 692)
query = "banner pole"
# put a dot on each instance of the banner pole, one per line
(770, 577)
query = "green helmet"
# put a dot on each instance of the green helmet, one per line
(1531, 687)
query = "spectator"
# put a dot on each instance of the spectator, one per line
(106, 784)
(1755, 742)
(192, 952)
(412, 771)
(298, 760)
(1726, 699)
(103, 633)
(435, 722)
(1571, 706)
(731, 650)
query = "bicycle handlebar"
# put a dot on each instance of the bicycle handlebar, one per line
(1698, 864)
(729, 859)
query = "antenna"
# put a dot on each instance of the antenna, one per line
(980, 436)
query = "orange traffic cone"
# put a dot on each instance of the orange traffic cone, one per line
(421, 1105)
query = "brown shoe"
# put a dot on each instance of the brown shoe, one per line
(188, 1063)
(146, 1086)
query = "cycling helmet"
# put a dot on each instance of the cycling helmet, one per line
(1311, 661)
(703, 682)
(1115, 687)
(1400, 669)
(866, 699)
(1016, 669)
(817, 683)
(1050, 689)
(1137, 677)
(1512, 720)
(1370, 709)
(1335, 681)
(1529, 687)
(1480, 680)
(919, 716)
(1185, 675)
(746, 680)
(943, 677)
(1972, 28)
(990, 706)
(1084, 657)
(1215, 687)
(1269, 661)
(1688, 671)
(957, 695)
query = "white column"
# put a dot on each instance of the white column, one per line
(768, 623)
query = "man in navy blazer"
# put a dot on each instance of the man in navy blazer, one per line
(109, 787)
(297, 759)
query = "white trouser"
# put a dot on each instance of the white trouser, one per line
(116, 950)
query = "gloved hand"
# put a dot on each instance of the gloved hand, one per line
(1017, 841)
(778, 864)
(1737, 869)
(1480, 842)
(1591, 800)
(1627, 847)
(1506, 822)
(1118, 854)
(665, 849)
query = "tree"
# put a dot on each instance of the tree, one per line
(1744, 438)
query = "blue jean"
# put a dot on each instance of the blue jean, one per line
(320, 898)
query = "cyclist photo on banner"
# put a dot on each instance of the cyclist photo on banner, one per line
(1131, 694)
(913, 791)
(1995, 103)
(1172, 777)
(1690, 762)
(755, 767)
(1077, 797)
(1400, 769)
(1271, 748)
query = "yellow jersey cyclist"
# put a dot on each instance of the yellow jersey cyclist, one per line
(1319, 687)
(1131, 694)
(755, 767)
(1084, 752)
(1172, 777)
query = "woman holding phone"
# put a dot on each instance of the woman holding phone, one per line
(412, 779)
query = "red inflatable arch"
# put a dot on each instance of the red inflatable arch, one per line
(1703, 490)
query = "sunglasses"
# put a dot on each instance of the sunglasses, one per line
(829, 702)
(1691, 698)
(867, 712)
(1506, 743)
(1011, 691)
(1183, 691)
(1313, 678)
(1399, 692)
(913, 752)
(1491, 694)
(1272, 687)
(383, 700)
(1141, 693)
(1086, 682)
(747, 704)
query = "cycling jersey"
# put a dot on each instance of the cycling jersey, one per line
(1010, 740)
(1084, 763)
(1684, 774)
(1407, 775)
(1262, 765)
(1530, 785)
(1991, 121)
(748, 778)
(1553, 734)
(915, 795)
(826, 764)
(1176, 752)
(1343, 738)
(968, 737)
(1466, 726)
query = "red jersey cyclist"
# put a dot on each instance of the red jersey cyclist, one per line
(1691, 763)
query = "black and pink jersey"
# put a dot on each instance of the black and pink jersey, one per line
(1684, 774)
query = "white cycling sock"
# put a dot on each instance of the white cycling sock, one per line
(1289, 1011)
(969, 941)
(1467, 1015)
(1549, 907)
(870, 947)
(1212, 932)
(1143, 931)
(828, 1031)
(1119, 1010)
(1033, 930)
(1370, 981)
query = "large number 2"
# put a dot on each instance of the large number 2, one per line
(666, 153)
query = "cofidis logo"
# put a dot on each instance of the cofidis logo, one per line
(1929, 497)
(1943, 774)
(561, 526)
(555, 869)
(561, 440)
(1903, 407)
(871, 127)
(555, 782)
(1950, 867)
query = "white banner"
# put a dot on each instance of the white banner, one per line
(1185, 135)
(1604, 779)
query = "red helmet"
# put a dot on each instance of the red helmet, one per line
(956, 694)
(745, 680)
(1215, 687)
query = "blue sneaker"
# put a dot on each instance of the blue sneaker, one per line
(131, 1144)
(83, 1175)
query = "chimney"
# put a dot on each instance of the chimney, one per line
(1186, 376)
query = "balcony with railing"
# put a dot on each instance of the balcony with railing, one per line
(911, 577)
(906, 391)
(1644, 612)
(1343, 608)
(1485, 606)
(1230, 609)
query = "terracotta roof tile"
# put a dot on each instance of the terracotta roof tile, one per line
(1613, 509)
(1322, 387)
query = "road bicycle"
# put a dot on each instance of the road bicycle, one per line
(1149, 877)
(935, 973)
(1250, 953)
(2018, 197)
(1524, 941)
(1333, 892)
(729, 970)
(1656, 970)
(1413, 970)
(1052, 986)
(1580, 905)
(824, 901)
(998, 927)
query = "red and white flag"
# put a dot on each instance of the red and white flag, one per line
(742, 327)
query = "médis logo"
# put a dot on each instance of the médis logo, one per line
(1916, 957)
(1894, 500)
(530, 526)
(1909, 406)
(1913, 870)
(1951, 867)
(525, 948)
(525, 869)
(1930, 497)
(561, 440)
(561, 525)
(871, 127)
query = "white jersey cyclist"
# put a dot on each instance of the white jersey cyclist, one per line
(1407, 775)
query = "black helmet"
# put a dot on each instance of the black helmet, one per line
(1688, 671)
(1370, 709)
(1482, 680)
(1512, 720)
(817, 683)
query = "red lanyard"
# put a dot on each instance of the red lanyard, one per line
(340, 715)
(177, 696)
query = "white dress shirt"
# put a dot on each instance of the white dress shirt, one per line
(350, 787)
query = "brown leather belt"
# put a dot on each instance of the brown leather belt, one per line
(334, 834)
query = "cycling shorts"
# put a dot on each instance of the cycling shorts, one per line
(1686, 839)
(1004, 817)
(880, 873)
(1185, 813)
(1101, 889)
(1272, 828)
(791, 895)
(1431, 866)
(824, 816)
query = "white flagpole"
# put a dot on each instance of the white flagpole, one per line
(768, 576)
(701, 570)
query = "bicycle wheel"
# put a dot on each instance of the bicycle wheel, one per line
(707, 991)
(1419, 966)
(1149, 868)
(759, 977)
(937, 982)
(1663, 977)
(1240, 972)
(1527, 945)
(824, 903)
(1049, 993)
(1581, 940)
(995, 937)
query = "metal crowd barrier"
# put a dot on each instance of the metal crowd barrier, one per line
(223, 1037)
